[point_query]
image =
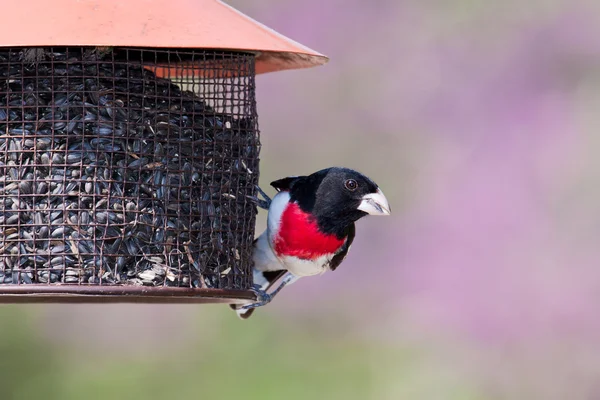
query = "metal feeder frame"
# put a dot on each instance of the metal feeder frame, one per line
(200, 42)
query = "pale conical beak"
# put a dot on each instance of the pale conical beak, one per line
(375, 204)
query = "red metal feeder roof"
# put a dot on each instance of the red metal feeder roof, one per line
(208, 24)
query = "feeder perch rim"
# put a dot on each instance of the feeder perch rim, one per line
(192, 24)
(40, 293)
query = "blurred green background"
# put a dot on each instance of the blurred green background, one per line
(478, 119)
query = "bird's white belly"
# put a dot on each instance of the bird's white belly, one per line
(266, 260)
(300, 267)
(264, 256)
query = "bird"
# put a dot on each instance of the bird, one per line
(310, 228)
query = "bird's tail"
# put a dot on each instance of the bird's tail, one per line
(243, 314)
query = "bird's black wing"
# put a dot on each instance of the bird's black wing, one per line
(339, 257)
(285, 183)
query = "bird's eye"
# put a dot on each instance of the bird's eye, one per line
(351, 185)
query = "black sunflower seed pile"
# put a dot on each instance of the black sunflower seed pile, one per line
(111, 175)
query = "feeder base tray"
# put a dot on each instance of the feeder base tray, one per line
(135, 294)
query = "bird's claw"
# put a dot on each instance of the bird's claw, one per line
(262, 299)
(263, 203)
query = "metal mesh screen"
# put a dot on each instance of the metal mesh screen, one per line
(112, 175)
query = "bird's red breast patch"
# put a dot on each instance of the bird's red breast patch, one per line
(299, 236)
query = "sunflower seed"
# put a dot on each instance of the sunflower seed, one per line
(113, 174)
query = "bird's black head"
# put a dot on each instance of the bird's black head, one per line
(337, 197)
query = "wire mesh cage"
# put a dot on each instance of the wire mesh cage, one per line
(126, 171)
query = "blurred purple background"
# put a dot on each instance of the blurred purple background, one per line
(478, 120)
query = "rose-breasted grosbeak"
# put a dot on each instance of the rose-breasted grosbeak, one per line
(310, 227)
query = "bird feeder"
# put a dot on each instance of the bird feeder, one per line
(129, 145)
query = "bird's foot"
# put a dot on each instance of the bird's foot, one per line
(263, 203)
(262, 298)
